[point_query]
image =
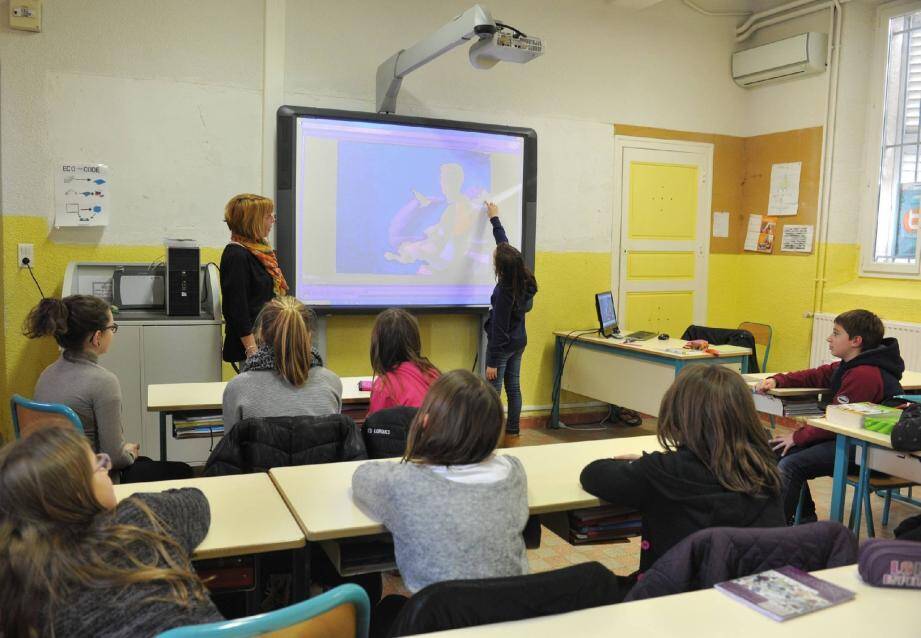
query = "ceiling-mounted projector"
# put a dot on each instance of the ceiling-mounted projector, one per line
(504, 46)
(493, 42)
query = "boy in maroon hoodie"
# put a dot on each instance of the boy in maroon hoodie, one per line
(869, 370)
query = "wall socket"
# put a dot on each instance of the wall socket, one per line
(26, 15)
(26, 250)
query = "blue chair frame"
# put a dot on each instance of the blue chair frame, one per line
(348, 594)
(50, 408)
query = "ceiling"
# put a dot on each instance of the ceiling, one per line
(709, 5)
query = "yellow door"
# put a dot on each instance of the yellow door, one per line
(664, 233)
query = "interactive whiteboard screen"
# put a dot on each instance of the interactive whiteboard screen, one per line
(391, 213)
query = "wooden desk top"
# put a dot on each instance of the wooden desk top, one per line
(655, 346)
(173, 397)
(320, 495)
(248, 516)
(910, 381)
(874, 611)
(876, 438)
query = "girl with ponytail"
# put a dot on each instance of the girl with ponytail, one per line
(83, 327)
(279, 379)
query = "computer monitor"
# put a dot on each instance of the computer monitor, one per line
(607, 317)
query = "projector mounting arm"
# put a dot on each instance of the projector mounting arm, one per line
(476, 22)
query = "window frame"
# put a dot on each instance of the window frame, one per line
(876, 114)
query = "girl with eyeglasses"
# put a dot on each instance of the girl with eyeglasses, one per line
(84, 329)
(73, 562)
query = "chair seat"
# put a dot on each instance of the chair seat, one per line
(883, 482)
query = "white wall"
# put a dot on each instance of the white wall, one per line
(169, 94)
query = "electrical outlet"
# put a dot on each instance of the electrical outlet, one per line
(26, 15)
(24, 251)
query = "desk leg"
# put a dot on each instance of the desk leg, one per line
(163, 436)
(839, 478)
(745, 364)
(300, 573)
(860, 490)
(554, 422)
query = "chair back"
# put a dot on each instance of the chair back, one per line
(385, 432)
(763, 334)
(29, 416)
(339, 613)
(469, 603)
(717, 554)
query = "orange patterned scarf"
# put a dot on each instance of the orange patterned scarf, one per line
(269, 260)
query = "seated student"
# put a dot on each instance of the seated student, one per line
(717, 470)
(278, 380)
(84, 329)
(456, 509)
(403, 375)
(869, 370)
(72, 563)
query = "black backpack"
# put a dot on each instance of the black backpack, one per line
(906, 435)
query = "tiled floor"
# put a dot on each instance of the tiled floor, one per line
(623, 558)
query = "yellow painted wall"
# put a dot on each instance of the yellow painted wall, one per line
(567, 281)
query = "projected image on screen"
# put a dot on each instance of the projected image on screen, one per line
(394, 215)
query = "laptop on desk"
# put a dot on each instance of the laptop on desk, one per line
(607, 320)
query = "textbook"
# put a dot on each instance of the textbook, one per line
(857, 415)
(784, 593)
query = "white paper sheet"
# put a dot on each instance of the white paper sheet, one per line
(797, 238)
(784, 198)
(720, 224)
(82, 196)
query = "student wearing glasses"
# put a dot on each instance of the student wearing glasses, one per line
(84, 329)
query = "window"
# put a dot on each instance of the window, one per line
(898, 215)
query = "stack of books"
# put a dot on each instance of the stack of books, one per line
(801, 406)
(603, 524)
(869, 416)
(197, 426)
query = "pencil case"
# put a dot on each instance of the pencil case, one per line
(890, 563)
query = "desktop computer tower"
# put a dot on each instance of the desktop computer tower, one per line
(183, 292)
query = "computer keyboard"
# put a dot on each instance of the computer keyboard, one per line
(640, 335)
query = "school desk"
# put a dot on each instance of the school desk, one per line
(866, 441)
(873, 612)
(320, 498)
(772, 402)
(633, 375)
(169, 398)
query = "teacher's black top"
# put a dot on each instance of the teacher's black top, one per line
(245, 288)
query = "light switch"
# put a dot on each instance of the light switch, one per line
(26, 15)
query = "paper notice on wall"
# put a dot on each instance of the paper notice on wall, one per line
(797, 238)
(81, 195)
(784, 197)
(720, 224)
(759, 237)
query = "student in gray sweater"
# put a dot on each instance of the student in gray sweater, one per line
(456, 509)
(84, 328)
(75, 563)
(279, 379)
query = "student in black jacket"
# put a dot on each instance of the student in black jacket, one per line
(512, 297)
(250, 275)
(717, 469)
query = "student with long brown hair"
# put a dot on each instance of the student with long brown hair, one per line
(455, 508)
(250, 275)
(717, 468)
(73, 563)
(402, 374)
(506, 337)
(277, 379)
(84, 329)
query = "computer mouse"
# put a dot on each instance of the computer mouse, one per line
(663, 337)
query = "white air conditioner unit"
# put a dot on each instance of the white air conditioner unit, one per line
(800, 55)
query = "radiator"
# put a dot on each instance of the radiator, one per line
(908, 334)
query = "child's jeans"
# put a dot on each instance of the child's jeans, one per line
(509, 371)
